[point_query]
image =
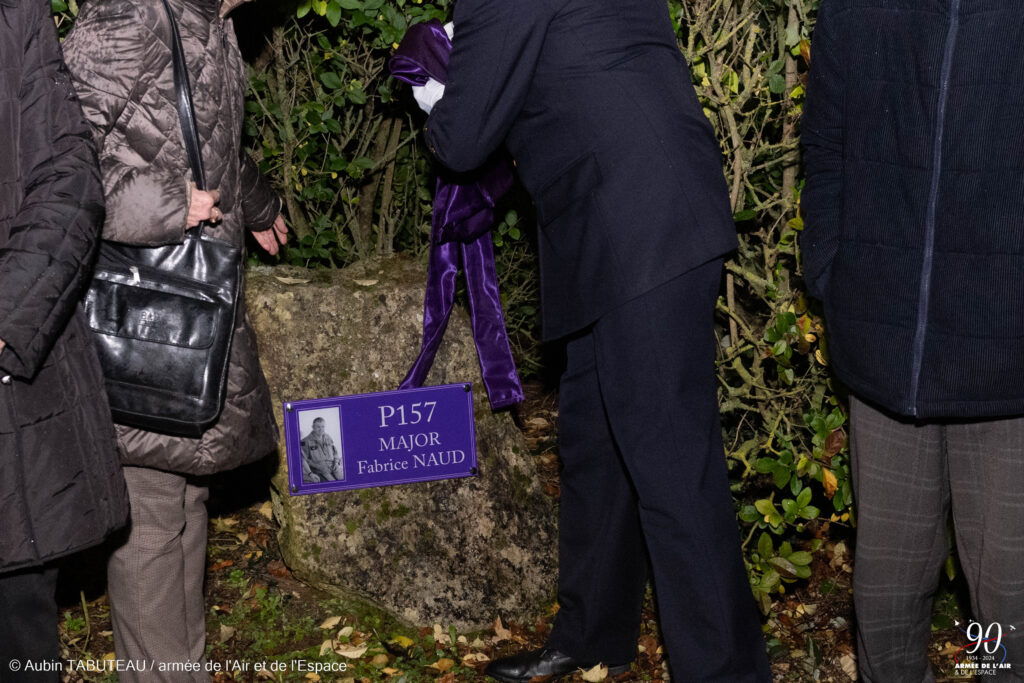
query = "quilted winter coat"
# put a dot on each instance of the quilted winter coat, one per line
(61, 487)
(119, 55)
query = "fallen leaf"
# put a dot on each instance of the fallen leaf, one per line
(849, 666)
(327, 646)
(400, 646)
(649, 643)
(443, 664)
(462, 640)
(267, 510)
(474, 657)
(447, 678)
(597, 673)
(242, 537)
(106, 634)
(291, 280)
(390, 671)
(220, 565)
(366, 283)
(345, 632)
(379, 661)
(226, 633)
(277, 568)
(313, 676)
(224, 523)
(352, 652)
(440, 637)
(835, 442)
(828, 481)
(263, 673)
(330, 622)
(500, 632)
(109, 656)
(477, 643)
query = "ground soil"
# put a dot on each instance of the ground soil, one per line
(263, 624)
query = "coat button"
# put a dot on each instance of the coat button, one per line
(6, 379)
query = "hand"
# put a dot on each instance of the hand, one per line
(268, 239)
(203, 207)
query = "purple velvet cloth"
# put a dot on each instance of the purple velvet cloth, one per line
(460, 232)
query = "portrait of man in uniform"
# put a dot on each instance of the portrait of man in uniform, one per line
(321, 458)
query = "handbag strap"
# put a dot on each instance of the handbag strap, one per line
(186, 112)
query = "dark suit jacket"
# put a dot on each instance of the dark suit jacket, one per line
(595, 103)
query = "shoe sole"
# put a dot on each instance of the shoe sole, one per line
(612, 672)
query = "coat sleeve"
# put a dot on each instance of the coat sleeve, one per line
(44, 263)
(260, 204)
(822, 137)
(495, 50)
(108, 51)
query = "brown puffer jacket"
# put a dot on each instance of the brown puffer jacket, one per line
(119, 55)
(61, 487)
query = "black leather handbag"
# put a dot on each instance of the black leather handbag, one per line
(164, 317)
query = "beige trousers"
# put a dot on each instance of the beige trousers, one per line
(155, 579)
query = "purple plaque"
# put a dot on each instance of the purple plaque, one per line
(393, 437)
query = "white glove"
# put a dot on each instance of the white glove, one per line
(427, 95)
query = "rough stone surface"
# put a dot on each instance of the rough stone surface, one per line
(457, 552)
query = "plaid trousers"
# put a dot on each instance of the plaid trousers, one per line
(908, 477)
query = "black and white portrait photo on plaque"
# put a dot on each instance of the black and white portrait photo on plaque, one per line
(320, 432)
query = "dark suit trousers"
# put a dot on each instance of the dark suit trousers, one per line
(644, 476)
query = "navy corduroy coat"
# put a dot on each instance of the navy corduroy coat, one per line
(914, 202)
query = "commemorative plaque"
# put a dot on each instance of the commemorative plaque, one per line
(391, 437)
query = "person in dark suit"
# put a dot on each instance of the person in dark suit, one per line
(593, 100)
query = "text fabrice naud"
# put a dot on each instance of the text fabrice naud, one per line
(227, 665)
(417, 413)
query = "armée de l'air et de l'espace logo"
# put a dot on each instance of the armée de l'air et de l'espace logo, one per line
(984, 654)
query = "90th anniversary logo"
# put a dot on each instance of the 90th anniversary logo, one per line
(984, 654)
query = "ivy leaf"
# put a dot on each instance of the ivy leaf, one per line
(764, 545)
(333, 13)
(331, 80)
(800, 557)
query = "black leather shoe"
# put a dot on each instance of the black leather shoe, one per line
(545, 663)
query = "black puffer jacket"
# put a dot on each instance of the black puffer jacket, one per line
(914, 203)
(61, 487)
